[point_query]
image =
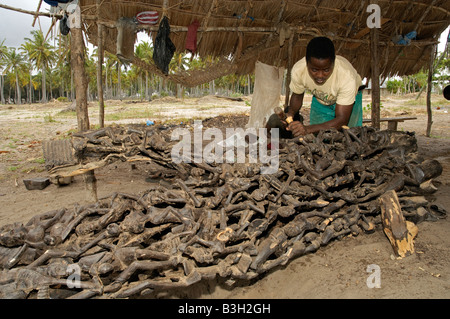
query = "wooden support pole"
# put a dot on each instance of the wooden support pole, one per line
(101, 103)
(375, 78)
(429, 87)
(435, 65)
(165, 8)
(289, 69)
(399, 231)
(77, 63)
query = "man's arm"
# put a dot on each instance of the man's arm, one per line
(295, 104)
(343, 113)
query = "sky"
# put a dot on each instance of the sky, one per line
(15, 26)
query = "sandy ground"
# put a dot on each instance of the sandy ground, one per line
(339, 270)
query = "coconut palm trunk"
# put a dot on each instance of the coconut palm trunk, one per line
(30, 92)
(2, 96)
(44, 87)
(18, 94)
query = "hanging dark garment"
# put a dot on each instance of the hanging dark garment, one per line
(54, 3)
(163, 47)
(63, 27)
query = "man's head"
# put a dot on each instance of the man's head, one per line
(320, 57)
(447, 92)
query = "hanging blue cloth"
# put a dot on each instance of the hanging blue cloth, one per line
(404, 40)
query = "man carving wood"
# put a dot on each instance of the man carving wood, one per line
(335, 86)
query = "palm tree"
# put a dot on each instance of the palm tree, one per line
(3, 51)
(178, 63)
(108, 60)
(42, 56)
(112, 64)
(27, 50)
(90, 67)
(144, 51)
(15, 65)
(63, 66)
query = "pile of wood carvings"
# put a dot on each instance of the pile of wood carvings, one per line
(226, 220)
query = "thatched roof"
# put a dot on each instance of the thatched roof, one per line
(240, 32)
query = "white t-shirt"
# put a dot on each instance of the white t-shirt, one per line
(341, 87)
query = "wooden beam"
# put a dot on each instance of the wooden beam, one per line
(425, 13)
(299, 30)
(279, 19)
(33, 13)
(418, 4)
(360, 34)
(205, 22)
(175, 28)
(282, 9)
(36, 15)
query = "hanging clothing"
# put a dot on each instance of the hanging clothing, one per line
(54, 3)
(63, 26)
(148, 17)
(164, 48)
(191, 38)
(126, 37)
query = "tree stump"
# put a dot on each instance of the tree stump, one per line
(399, 231)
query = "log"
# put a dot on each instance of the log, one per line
(427, 170)
(236, 99)
(431, 169)
(36, 183)
(399, 231)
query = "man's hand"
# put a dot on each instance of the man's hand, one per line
(297, 129)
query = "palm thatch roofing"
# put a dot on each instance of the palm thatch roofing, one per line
(240, 32)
